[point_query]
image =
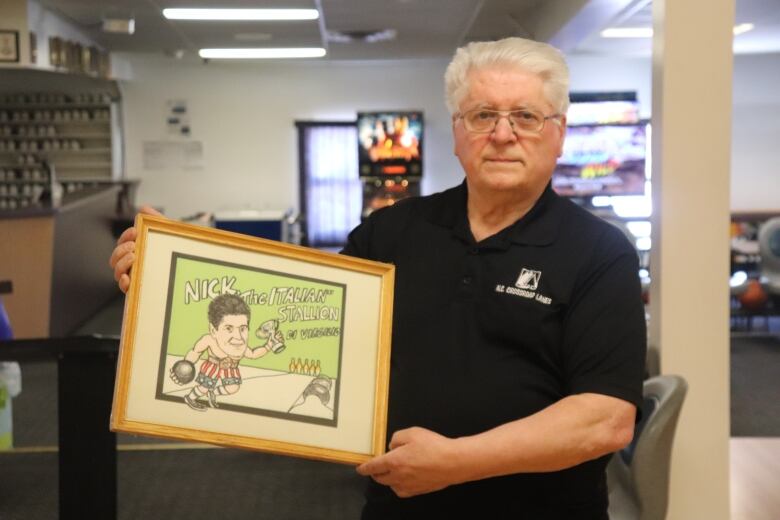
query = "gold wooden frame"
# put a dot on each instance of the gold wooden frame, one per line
(157, 237)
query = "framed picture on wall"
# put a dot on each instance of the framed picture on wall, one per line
(9, 46)
(249, 343)
(55, 45)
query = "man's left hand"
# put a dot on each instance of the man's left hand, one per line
(419, 461)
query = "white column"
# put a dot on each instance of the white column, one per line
(689, 322)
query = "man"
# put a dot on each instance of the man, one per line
(225, 345)
(518, 327)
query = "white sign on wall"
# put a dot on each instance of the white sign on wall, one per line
(166, 155)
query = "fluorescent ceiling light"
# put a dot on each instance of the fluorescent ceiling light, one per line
(647, 32)
(240, 14)
(262, 53)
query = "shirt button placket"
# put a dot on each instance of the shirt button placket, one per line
(469, 275)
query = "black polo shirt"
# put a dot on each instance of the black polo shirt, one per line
(488, 332)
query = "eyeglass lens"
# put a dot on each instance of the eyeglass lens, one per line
(481, 120)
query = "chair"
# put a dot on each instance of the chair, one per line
(769, 250)
(638, 475)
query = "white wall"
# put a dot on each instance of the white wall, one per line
(755, 154)
(613, 74)
(244, 115)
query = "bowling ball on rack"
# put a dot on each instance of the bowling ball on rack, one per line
(754, 298)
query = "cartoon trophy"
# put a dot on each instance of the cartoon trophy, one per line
(269, 330)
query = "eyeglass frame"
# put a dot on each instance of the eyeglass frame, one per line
(505, 114)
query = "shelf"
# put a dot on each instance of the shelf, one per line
(33, 122)
(18, 166)
(90, 166)
(67, 118)
(17, 107)
(68, 135)
(82, 151)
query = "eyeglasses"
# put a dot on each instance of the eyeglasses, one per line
(484, 121)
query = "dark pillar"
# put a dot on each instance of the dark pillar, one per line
(88, 475)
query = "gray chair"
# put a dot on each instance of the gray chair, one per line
(638, 475)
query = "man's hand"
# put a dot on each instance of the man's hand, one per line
(123, 256)
(419, 461)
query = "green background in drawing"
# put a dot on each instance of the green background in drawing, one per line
(189, 320)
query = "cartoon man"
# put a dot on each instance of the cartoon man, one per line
(226, 344)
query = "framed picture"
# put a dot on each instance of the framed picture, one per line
(250, 343)
(9, 46)
(55, 44)
(33, 49)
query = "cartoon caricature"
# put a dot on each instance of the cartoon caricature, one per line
(226, 345)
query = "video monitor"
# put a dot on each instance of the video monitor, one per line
(390, 143)
(602, 112)
(602, 160)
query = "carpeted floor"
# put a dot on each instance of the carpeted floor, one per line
(755, 386)
(194, 484)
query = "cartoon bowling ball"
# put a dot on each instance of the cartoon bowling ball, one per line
(754, 298)
(183, 372)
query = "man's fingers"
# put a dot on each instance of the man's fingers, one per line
(124, 283)
(129, 234)
(384, 479)
(120, 251)
(123, 265)
(401, 437)
(376, 466)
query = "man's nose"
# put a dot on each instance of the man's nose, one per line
(503, 131)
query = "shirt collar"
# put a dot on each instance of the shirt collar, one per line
(538, 227)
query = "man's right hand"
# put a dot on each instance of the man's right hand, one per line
(123, 256)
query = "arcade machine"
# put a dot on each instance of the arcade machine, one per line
(389, 157)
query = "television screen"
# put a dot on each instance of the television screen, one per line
(602, 112)
(390, 143)
(602, 160)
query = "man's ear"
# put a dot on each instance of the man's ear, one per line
(212, 329)
(454, 141)
(563, 134)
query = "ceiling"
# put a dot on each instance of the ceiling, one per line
(423, 28)
(765, 37)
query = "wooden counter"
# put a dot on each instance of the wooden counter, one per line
(57, 260)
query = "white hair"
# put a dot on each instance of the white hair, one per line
(538, 58)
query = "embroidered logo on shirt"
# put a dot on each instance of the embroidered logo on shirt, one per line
(525, 287)
(528, 279)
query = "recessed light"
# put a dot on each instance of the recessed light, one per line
(240, 14)
(742, 28)
(262, 53)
